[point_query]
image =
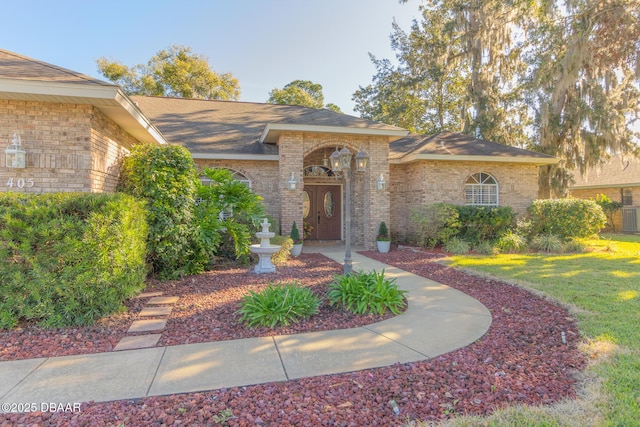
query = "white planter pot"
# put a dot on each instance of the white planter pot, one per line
(296, 250)
(383, 247)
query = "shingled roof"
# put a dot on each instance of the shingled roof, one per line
(455, 146)
(230, 129)
(18, 67)
(243, 128)
(618, 171)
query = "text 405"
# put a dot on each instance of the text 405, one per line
(20, 182)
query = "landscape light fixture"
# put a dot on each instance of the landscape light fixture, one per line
(341, 162)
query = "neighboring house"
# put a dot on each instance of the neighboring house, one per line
(75, 130)
(619, 179)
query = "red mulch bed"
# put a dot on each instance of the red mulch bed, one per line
(521, 359)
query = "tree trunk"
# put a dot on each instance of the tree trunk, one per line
(544, 182)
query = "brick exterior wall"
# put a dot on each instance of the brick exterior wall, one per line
(429, 182)
(614, 193)
(70, 147)
(73, 147)
(368, 206)
(263, 176)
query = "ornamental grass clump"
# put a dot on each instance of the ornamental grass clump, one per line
(547, 243)
(278, 304)
(512, 242)
(457, 246)
(364, 293)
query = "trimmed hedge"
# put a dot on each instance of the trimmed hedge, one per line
(567, 218)
(438, 223)
(480, 223)
(69, 258)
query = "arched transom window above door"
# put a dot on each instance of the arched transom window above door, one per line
(481, 189)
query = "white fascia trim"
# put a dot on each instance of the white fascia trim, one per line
(59, 89)
(137, 115)
(214, 156)
(279, 127)
(452, 158)
(600, 186)
(109, 95)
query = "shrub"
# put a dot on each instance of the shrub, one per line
(609, 207)
(230, 234)
(574, 246)
(295, 234)
(68, 258)
(363, 293)
(278, 304)
(457, 246)
(547, 243)
(480, 223)
(566, 218)
(435, 223)
(285, 244)
(486, 248)
(512, 242)
(166, 178)
(383, 233)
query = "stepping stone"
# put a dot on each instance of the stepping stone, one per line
(149, 294)
(162, 300)
(147, 325)
(136, 342)
(155, 311)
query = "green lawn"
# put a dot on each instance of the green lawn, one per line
(603, 285)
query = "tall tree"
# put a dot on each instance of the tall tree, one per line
(583, 85)
(172, 72)
(425, 92)
(557, 76)
(456, 72)
(301, 92)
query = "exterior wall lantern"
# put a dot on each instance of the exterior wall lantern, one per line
(382, 184)
(362, 160)
(292, 184)
(341, 162)
(335, 161)
(15, 155)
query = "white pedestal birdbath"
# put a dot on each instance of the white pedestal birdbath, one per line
(264, 250)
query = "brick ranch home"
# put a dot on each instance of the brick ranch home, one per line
(75, 130)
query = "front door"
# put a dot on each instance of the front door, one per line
(323, 211)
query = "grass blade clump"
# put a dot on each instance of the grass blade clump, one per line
(364, 293)
(278, 304)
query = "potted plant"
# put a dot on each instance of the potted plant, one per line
(297, 241)
(383, 240)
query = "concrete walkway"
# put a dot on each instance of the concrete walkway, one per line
(438, 320)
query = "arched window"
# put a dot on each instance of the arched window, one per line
(206, 181)
(481, 189)
(236, 175)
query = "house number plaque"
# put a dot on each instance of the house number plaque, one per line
(20, 183)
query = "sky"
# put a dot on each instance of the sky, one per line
(265, 44)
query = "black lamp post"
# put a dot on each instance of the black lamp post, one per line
(341, 162)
